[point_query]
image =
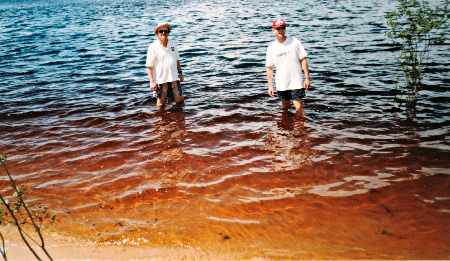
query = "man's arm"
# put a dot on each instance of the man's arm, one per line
(153, 84)
(269, 73)
(307, 81)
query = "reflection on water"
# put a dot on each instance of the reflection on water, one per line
(289, 142)
(230, 169)
(171, 127)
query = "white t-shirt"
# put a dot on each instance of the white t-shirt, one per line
(285, 58)
(164, 61)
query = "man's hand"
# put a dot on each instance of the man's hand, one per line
(306, 83)
(269, 74)
(270, 91)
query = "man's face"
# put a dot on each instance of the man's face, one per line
(279, 31)
(163, 32)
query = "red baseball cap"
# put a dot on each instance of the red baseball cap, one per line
(278, 23)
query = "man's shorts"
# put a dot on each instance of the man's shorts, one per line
(288, 95)
(170, 95)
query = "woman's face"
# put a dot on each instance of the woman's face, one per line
(163, 33)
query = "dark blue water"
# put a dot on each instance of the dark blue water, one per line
(77, 116)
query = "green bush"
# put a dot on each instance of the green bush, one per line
(415, 26)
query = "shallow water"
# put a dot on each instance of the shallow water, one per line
(230, 171)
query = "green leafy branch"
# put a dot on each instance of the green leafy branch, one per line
(13, 210)
(415, 25)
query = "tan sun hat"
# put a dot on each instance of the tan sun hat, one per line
(163, 24)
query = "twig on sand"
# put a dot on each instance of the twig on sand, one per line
(21, 202)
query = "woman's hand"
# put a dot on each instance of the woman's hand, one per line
(153, 86)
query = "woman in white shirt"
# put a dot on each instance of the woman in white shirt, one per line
(163, 67)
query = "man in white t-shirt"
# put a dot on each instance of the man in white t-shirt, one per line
(163, 67)
(288, 56)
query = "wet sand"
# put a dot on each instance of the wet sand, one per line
(66, 248)
(361, 227)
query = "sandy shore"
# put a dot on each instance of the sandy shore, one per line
(368, 226)
(64, 248)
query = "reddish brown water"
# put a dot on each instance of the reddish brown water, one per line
(230, 174)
